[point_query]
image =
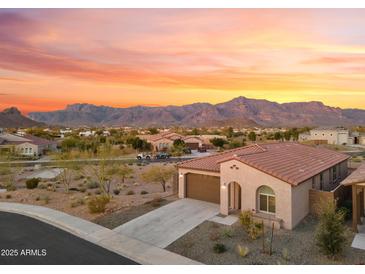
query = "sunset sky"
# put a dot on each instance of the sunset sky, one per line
(116, 57)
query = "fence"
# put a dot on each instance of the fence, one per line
(340, 194)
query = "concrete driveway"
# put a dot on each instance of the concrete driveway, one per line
(166, 224)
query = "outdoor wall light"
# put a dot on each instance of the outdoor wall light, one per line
(181, 175)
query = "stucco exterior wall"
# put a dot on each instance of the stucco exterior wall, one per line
(24, 149)
(334, 137)
(250, 179)
(300, 201)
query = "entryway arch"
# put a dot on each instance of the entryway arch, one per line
(234, 196)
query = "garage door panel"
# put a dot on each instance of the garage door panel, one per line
(203, 187)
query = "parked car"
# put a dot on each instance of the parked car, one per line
(144, 156)
(162, 155)
(202, 149)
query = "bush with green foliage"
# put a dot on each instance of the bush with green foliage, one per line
(130, 192)
(32, 183)
(219, 248)
(330, 232)
(218, 142)
(253, 229)
(92, 185)
(97, 204)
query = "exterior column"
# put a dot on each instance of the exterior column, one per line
(181, 181)
(224, 199)
(355, 210)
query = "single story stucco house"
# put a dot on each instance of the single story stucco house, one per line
(26, 145)
(272, 180)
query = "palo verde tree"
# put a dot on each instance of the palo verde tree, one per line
(159, 174)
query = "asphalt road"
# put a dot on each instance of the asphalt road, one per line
(24, 240)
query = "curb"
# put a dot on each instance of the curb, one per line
(133, 249)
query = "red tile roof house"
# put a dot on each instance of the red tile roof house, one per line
(272, 180)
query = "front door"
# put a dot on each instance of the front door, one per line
(234, 196)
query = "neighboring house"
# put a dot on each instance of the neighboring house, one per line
(26, 145)
(272, 180)
(86, 133)
(64, 132)
(333, 136)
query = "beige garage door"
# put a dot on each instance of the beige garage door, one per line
(203, 187)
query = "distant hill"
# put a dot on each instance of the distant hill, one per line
(240, 111)
(11, 117)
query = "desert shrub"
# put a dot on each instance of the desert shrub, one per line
(42, 186)
(10, 187)
(32, 183)
(73, 189)
(44, 198)
(98, 192)
(228, 233)
(78, 202)
(92, 185)
(285, 254)
(330, 232)
(143, 192)
(82, 189)
(97, 204)
(246, 218)
(214, 236)
(8, 196)
(219, 248)
(253, 229)
(243, 250)
(116, 191)
(130, 192)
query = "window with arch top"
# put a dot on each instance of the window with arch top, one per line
(266, 199)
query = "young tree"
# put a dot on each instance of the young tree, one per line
(179, 143)
(153, 130)
(218, 142)
(69, 169)
(159, 174)
(278, 136)
(252, 136)
(67, 174)
(287, 135)
(330, 233)
(124, 171)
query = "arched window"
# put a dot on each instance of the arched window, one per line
(266, 199)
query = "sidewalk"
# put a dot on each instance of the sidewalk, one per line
(133, 249)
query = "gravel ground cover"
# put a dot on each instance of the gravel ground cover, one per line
(289, 247)
(120, 217)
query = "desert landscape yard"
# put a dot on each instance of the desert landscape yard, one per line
(83, 185)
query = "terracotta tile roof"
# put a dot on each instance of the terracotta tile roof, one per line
(358, 176)
(290, 162)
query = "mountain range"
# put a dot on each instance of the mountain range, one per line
(12, 118)
(240, 111)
